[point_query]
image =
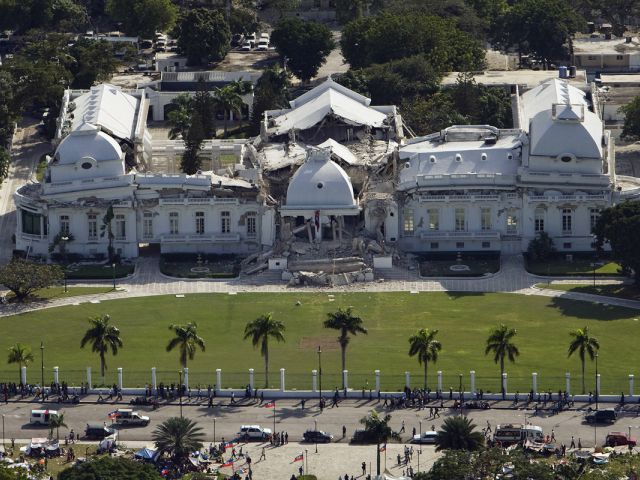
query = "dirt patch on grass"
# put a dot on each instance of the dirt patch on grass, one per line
(312, 343)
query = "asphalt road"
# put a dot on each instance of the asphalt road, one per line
(290, 417)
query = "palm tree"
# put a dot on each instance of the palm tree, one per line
(458, 433)
(259, 331)
(20, 354)
(178, 437)
(348, 323)
(102, 337)
(377, 430)
(228, 99)
(583, 343)
(179, 117)
(187, 339)
(426, 347)
(56, 421)
(499, 342)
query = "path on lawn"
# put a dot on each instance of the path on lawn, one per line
(148, 281)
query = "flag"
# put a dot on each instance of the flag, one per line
(383, 448)
(271, 404)
(230, 444)
(299, 458)
(113, 415)
(227, 464)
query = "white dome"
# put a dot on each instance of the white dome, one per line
(320, 183)
(87, 142)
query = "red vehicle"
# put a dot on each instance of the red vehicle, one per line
(616, 439)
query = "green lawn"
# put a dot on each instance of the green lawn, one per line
(579, 266)
(463, 320)
(631, 292)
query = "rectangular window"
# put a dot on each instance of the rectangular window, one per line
(199, 223)
(594, 213)
(65, 227)
(435, 245)
(567, 220)
(459, 244)
(225, 222)
(512, 224)
(30, 223)
(93, 227)
(408, 226)
(485, 219)
(121, 227)
(619, 57)
(460, 220)
(566, 245)
(147, 225)
(252, 229)
(538, 221)
(486, 244)
(174, 220)
(434, 219)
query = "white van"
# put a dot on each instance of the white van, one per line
(533, 433)
(42, 417)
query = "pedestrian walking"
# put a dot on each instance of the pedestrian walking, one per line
(364, 468)
(488, 427)
(579, 444)
(402, 427)
(344, 431)
(263, 455)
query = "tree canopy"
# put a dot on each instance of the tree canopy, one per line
(631, 127)
(203, 36)
(306, 45)
(143, 17)
(23, 277)
(386, 37)
(270, 93)
(620, 227)
(94, 62)
(110, 467)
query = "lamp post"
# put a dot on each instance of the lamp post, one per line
(420, 444)
(180, 391)
(597, 392)
(595, 424)
(64, 240)
(3, 431)
(42, 369)
(319, 373)
(315, 422)
(214, 429)
(460, 388)
(113, 269)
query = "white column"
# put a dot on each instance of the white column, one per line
(186, 378)
(314, 381)
(23, 375)
(567, 382)
(598, 385)
(407, 379)
(631, 385)
(89, 378)
(282, 385)
(472, 375)
(251, 378)
(120, 378)
(377, 373)
(218, 379)
(534, 382)
(154, 379)
(440, 380)
(56, 374)
(345, 378)
(504, 382)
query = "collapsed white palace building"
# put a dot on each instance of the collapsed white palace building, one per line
(330, 172)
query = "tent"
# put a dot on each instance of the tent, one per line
(386, 475)
(147, 454)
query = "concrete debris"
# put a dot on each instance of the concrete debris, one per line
(259, 268)
(374, 247)
(324, 279)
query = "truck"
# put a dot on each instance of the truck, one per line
(512, 433)
(127, 416)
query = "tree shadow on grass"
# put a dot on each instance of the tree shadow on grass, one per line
(592, 310)
(458, 295)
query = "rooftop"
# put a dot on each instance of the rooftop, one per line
(526, 79)
(601, 46)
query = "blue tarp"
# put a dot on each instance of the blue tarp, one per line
(146, 454)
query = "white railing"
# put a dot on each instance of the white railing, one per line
(199, 201)
(430, 234)
(565, 198)
(457, 198)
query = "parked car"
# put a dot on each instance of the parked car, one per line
(98, 431)
(263, 45)
(426, 437)
(254, 432)
(127, 416)
(146, 43)
(607, 415)
(251, 38)
(359, 436)
(616, 439)
(317, 436)
(246, 46)
(42, 417)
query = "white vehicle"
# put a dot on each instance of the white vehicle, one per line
(254, 432)
(42, 417)
(515, 433)
(127, 416)
(264, 36)
(263, 45)
(246, 46)
(251, 38)
(426, 438)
